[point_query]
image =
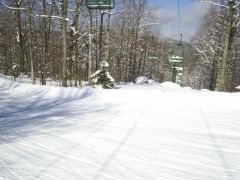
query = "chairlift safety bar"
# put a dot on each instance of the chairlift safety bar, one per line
(100, 4)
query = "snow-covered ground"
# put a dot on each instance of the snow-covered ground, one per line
(135, 132)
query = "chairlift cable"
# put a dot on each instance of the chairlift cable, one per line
(178, 51)
(179, 23)
(179, 18)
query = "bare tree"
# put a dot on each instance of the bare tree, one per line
(224, 83)
(64, 42)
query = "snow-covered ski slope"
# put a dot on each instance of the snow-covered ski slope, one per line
(136, 132)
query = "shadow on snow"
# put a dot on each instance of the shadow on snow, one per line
(22, 116)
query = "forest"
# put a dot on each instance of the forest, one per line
(61, 40)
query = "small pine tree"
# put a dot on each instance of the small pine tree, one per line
(102, 77)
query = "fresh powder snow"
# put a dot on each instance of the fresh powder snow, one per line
(134, 132)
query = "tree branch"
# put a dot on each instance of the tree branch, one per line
(12, 8)
(213, 3)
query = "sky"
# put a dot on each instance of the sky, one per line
(191, 14)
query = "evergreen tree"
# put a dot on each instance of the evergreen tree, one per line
(102, 77)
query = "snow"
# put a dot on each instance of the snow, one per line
(104, 64)
(95, 76)
(15, 66)
(141, 79)
(110, 77)
(136, 132)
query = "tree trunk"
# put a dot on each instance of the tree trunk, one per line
(134, 65)
(90, 47)
(120, 57)
(64, 41)
(19, 36)
(77, 71)
(44, 45)
(224, 84)
(213, 75)
(30, 45)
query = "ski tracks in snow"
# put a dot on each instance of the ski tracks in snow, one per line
(228, 170)
(136, 134)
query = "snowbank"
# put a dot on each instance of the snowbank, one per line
(141, 80)
(48, 91)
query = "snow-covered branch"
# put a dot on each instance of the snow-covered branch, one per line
(149, 24)
(52, 17)
(213, 3)
(236, 5)
(12, 8)
(202, 54)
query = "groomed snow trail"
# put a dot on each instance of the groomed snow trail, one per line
(158, 132)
